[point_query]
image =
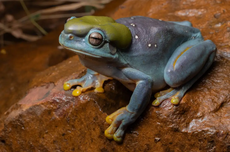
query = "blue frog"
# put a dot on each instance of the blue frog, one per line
(144, 54)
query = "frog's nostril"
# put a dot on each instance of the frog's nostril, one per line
(71, 37)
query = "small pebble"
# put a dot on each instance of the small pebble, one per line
(157, 139)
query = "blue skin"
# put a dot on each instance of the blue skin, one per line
(161, 54)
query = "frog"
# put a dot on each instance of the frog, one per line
(148, 56)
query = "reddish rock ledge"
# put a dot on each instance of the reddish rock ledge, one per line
(50, 119)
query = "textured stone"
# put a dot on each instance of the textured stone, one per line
(50, 119)
(22, 62)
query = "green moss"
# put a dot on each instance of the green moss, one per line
(118, 34)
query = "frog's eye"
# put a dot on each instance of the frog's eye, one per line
(95, 39)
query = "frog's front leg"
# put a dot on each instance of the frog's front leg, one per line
(90, 80)
(187, 64)
(120, 119)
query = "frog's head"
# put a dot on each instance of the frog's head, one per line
(95, 36)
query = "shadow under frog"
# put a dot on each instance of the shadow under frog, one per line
(144, 54)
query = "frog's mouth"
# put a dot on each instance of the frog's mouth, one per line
(81, 52)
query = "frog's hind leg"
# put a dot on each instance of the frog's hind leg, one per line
(90, 80)
(188, 63)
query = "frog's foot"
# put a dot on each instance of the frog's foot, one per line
(161, 93)
(88, 81)
(119, 121)
(175, 95)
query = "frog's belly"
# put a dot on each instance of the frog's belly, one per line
(104, 68)
(157, 85)
(111, 70)
(132, 86)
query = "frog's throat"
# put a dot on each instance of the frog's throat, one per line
(81, 52)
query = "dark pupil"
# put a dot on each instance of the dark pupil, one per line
(95, 39)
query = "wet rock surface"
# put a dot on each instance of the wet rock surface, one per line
(50, 119)
(22, 62)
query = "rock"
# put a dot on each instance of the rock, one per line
(22, 62)
(50, 119)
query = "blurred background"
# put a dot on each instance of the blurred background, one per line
(29, 20)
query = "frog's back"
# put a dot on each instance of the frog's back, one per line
(156, 35)
(153, 42)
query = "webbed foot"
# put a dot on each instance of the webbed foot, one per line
(119, 121)
(161, 93)
(175, 95)
(90, 80)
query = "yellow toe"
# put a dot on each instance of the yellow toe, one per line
(109, 120)
(76, 92)
(175, 100)
(99, 89)
(156, 102)
(117, 139)
(156, 95)
(66, 86)
(108, 135)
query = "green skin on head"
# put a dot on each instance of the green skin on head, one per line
(118, 34)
